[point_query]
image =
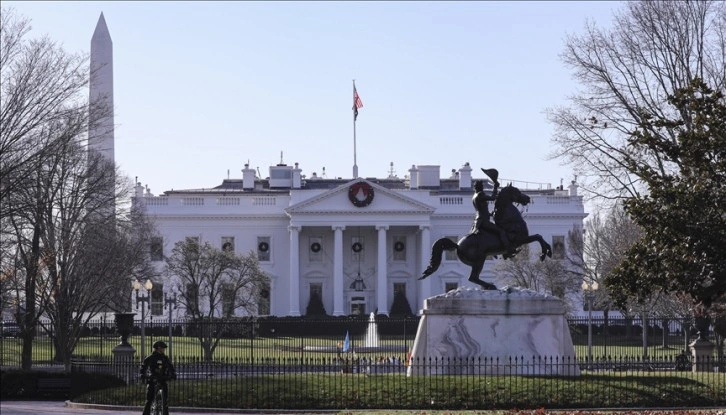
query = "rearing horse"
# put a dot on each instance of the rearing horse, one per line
(474, 248)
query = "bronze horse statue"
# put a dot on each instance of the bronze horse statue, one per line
(474, 248)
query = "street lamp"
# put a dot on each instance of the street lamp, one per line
(589, 289)
(170, 301)
(143, 299)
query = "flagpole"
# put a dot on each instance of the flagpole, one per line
(355, 162)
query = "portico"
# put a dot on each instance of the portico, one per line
(351, 257)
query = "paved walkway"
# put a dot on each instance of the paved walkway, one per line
(69, 408)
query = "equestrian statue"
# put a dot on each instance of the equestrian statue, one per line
(508, 232)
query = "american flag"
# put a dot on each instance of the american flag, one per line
(357, 103)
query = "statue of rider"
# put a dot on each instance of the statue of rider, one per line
(482, 220)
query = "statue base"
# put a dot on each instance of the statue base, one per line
(511, 331)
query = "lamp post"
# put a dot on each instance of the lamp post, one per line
(143, 299)
(170, 301)
(589, 289)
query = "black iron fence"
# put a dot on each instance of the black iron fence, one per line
(301, 338)
(307, 363)
(363, 382)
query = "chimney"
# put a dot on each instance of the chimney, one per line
(429, 176)
(413, 175)
(573, 188)
(139, 190)
(465, 177)
(296, 177)
(248, 178)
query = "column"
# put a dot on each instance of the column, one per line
(382, 289)
(338, 298)
(425, 247)
(294, 270)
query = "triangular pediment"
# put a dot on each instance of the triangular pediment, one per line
(338, 200)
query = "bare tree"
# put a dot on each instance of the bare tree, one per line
(40, 85)
(62, 242)
(38, 82)
(607, 240)
(555, 277)
(93, 245)
(215, 284)
(79, 244)
(653, 49)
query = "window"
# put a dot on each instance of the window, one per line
(157, 300)
(156, 250)
(263, 301)
(558, 247)
(192, 299)
(357, 249)
(450, 286)
(316, 249)
(263, 248)
(280, 174)
(228, 244)
(228, 300)
(399, 248)
(451, 255)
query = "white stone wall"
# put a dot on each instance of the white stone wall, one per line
(212, 215)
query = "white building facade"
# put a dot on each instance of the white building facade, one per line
(354, 243)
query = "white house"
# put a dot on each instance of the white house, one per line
(355, 242)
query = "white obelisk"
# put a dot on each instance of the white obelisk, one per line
(100, 129)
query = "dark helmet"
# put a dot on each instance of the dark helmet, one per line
(159, 344)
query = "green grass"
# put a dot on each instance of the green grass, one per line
(282, 348)
(358, 391)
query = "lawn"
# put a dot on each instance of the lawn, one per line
(278, 348)
(396, 391)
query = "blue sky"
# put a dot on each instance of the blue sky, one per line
(203, 87)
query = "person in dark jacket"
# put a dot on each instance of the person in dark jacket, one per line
(157, 367)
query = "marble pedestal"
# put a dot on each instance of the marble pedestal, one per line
(510, 331)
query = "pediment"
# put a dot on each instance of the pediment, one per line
(337, 200)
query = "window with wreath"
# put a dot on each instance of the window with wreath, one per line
(157, 300)
(399, 248)
(263, 248)
(228, 243)
(451, 255)
(316, 249)
(357, 249)
(156, 248)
